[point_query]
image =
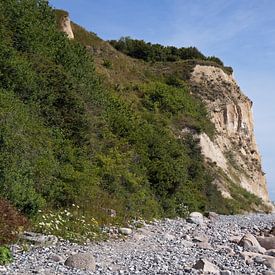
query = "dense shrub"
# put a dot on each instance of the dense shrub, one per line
(155, 52)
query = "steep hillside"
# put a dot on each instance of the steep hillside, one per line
(233, 149)
(84, 124)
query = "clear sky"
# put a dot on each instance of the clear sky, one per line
(240, 32)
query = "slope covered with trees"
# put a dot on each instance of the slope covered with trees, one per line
(68, 138)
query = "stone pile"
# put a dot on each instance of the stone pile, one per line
(198, 245)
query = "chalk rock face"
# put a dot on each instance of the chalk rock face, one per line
(234, 148)
(66, 27)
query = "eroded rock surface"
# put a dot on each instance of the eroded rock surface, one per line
(234, 148)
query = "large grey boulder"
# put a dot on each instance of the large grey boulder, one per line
(195, 217)
(250, 243)
(206, 266)
(267, 242)
(81, 261)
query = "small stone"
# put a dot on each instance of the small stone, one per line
(81, 261)
(225, 272)
(125, 231)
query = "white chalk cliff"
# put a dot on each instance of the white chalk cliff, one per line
(234, 149)
(66, 26)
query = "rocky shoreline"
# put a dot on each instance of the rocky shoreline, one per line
(219, 244)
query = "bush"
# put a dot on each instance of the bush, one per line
(155, 52)
(5, 255)
(11, 223)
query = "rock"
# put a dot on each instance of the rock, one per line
(270, 252)
(206, 266)
(168, 237)
(39, 239)
(267, 242)
(250, 243)
(125, 231)
(81, 261)
(3, 269)
(258, 259)
(186, 243)
(270, 263)
(212, 216)
(272, 231)
(200, 238)
(204, 245)
(235, 239)
(195, 217)
(225, 272)
(227, 249)
(56, 258)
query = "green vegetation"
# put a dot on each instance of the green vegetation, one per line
(71, 225)
(156, 52)
(68, 138)
(5, 255)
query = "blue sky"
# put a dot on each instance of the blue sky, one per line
(240, 32)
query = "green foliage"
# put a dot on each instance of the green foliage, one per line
(155, 52)
(68, 224)
(66, 139)
(5, 255)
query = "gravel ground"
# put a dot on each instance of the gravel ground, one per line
(163, 247)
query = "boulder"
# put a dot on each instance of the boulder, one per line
(81, 261)
(272, 231)
(206, 266)
(212, 216)
(39, 239)
(125, 230)
(267, 242)
(250, 243)
(270, 263)
(195, 217)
